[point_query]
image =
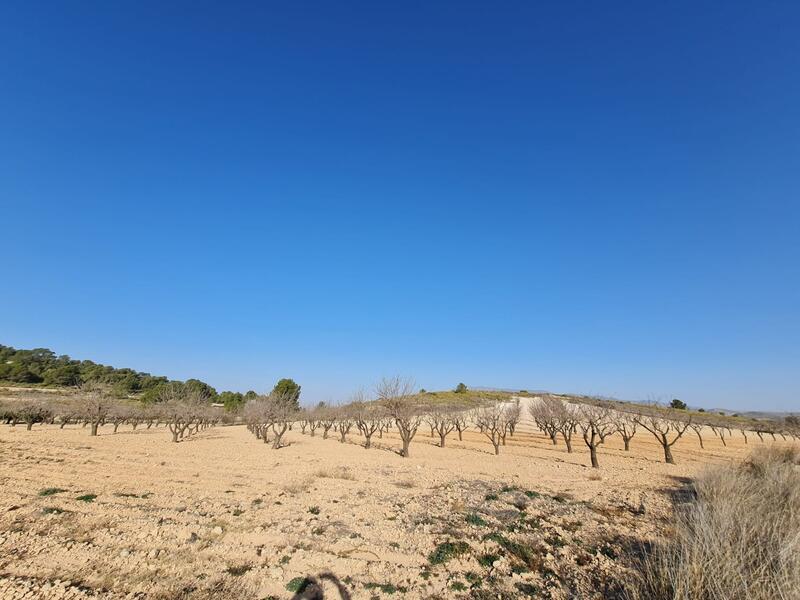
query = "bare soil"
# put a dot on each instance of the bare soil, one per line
(221, 514)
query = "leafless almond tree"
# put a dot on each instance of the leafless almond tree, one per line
(544, 415)
(626, 427)
(31, 410)
(513, 415)
(396, 394)
(368, 416)
(491, 420)
(596, 423)
(666, 426)
(94, 406)
(327, 418)
(346, 420)
(440, 418)
(460, 420)
(270, 413)
(698, 430)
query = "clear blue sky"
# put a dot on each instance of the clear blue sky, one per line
(582, 197)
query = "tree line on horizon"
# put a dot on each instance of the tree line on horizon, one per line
(42, 366)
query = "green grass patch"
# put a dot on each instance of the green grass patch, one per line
(447, 551)
(522, 552)
(474, 579)
(51, 491)
(386, 588)
(298, 584)
(52, 510)
(475, 519)
(458, 586)
(487, 560)
(314, 510)
(87, 497)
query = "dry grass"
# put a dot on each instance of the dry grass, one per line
(738, 538)
(298, 487)
(336, 473)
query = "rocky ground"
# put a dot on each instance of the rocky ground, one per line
(221, 515)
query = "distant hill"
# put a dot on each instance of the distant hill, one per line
(42, 367)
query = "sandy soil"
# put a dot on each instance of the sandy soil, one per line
(223, 515)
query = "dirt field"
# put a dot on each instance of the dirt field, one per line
(222, 515)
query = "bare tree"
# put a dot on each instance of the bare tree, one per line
(32, 410)
(304, 418)
(513, 415)
(460, 420)
(698, 430)
(183, 409)
(397, 396)
(368, 417)
(327, 418)
(626, 426)
(94, 406)
(491, 421)
(595, 423)
(664, 424)
(543, 415)
(440, 418)
(270, 413)
(564, 419)
(346, 420)
(719, 430)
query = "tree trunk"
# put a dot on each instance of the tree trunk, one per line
(496, 445)
(343, 433)
(368, 442)
(442, 436)
(627, 444)
(116, 426)
(668, 455)
(568, 442)
(459, 436)
(94, 429)
(29, 426)
(554, 438)
(593, 455)
(406, 444)
(276, 444)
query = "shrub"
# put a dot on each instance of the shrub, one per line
(298, 584)
(736, 538)
(446, 551)
(476, 519)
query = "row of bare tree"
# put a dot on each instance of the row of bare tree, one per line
(182, 411)
(396, 406)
